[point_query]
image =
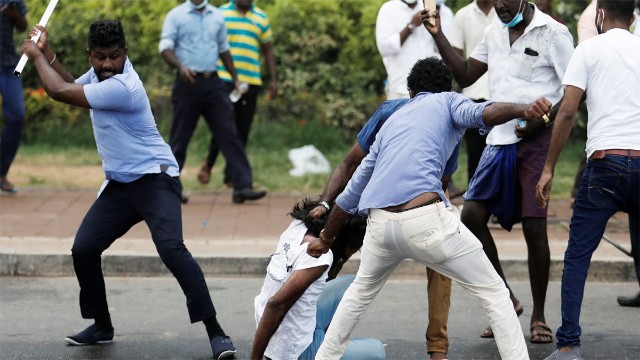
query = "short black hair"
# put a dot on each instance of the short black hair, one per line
(430, 74)
(618, 9)
(348, 240)
(106, 33)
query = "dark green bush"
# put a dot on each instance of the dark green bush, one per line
(329, 69)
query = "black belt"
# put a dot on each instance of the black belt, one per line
(430, 202)
(206, 74)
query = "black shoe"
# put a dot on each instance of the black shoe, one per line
(184, 197)
(90, 336)
(239, 196)
(633, 301)
(222, 348)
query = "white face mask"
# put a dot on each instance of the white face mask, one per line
(197, 7)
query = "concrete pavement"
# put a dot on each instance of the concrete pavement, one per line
(151, 321)
(37, 227)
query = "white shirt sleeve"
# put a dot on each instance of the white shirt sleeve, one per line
(576, 74)
(456, 35)
(561, 52)
(387, 38)
(481, 52)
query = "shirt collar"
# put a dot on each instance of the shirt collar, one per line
(539, 19)
(232, 4)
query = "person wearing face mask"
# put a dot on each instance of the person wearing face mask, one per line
(401, 41)
(604, 69)
(141, 179)
(525, 55)
(193, 37)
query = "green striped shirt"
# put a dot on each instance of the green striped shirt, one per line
(246, 33)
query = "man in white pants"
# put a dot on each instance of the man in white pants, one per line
(398, 186)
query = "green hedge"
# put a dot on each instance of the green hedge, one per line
(329, 68)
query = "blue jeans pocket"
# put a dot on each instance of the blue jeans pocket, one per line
(601, 190)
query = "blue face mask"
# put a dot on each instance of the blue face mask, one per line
(516, 19)
(197, 7)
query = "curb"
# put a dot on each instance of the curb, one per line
(150, 266)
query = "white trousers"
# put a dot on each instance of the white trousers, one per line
(434, 236)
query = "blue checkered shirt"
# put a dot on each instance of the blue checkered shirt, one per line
(8, 55)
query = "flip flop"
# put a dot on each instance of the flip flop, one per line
(538, 330)
(488, 333)
(7, 188)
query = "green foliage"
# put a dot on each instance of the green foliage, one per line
(329, 69)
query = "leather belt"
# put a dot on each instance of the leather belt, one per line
(397, 209)
(206, 74)
(599, 154)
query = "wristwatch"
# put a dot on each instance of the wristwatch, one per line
(411, 27)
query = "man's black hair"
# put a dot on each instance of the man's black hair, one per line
(349, 238)
(618, 9)
(106, 33)
(430, 74)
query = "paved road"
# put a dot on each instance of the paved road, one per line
(37, 227)
(151, 320)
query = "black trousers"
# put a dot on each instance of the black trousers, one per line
(208, 97)
(154, 198)
(244, 110)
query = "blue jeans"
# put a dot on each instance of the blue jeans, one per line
(608, 185)
(358, 348)
(13, 112)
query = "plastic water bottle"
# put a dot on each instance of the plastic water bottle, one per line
(236, 94)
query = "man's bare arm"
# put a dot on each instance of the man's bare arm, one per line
(280, 304)
(340, 177)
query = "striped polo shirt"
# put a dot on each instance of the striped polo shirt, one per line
(246, 33)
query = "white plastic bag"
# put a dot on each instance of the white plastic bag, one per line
(308, 160)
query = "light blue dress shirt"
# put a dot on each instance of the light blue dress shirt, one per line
(126, 134)
(410, 152)
(196, 38)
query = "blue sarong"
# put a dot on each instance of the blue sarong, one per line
(495, 182)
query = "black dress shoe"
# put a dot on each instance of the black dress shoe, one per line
(239, 196)
(633, 301)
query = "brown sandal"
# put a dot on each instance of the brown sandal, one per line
(540, 330)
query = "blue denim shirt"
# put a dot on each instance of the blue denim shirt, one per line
(367, 134)
(126, 134)
(410, 150)
(197, 38)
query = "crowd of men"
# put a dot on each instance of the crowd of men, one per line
(523, 82)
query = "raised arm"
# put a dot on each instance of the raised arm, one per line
(280, 304)
(465, 72)
(56, 81)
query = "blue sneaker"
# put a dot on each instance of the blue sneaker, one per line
(222, 348)
(90, 336)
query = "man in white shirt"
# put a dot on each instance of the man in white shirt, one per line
(466, 33)
(606, 69)
(525, 55)
(402, 41)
